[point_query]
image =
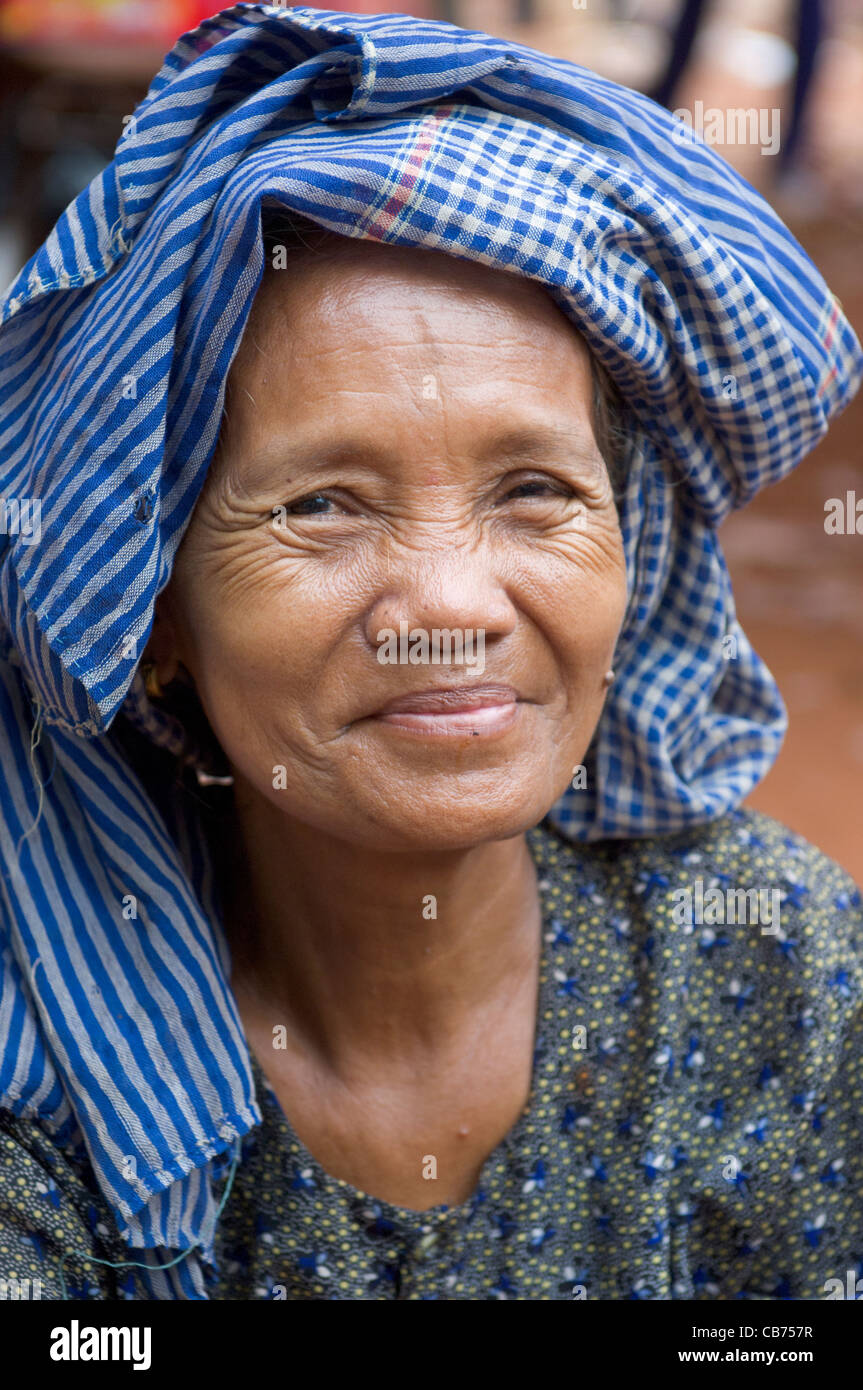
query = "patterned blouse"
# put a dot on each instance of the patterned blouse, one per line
(694, 1128)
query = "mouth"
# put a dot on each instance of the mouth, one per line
(468, 710)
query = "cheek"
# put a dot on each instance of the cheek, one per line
(580, 595)
(257, 629)
(581, 607)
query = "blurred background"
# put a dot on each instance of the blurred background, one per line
(70, 70)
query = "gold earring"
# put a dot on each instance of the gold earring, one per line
(152, 684)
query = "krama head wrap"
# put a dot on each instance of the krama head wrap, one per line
(728, 349)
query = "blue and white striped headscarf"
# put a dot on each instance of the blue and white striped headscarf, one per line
(115, 343)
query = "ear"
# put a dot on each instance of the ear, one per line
(163, 646)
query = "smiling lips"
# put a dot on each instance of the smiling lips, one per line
(469, 709)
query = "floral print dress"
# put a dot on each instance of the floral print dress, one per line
(694, 1128)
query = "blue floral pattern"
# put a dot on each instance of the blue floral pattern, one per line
(705, 1141)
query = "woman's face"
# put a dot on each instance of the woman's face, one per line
(409, 442)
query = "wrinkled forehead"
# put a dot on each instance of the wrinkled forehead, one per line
(337, 313)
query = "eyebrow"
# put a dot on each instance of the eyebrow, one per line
(549, 441)
(526, 444)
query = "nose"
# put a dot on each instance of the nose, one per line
(453, 588)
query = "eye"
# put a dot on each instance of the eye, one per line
(313, 504)
(307, 506)
(537, 487)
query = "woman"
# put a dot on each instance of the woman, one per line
(328, 980)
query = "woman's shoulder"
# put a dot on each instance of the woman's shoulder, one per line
(744, 866)
(741, 922)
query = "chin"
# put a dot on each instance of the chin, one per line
(433, 825)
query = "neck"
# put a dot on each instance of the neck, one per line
(366, 955)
